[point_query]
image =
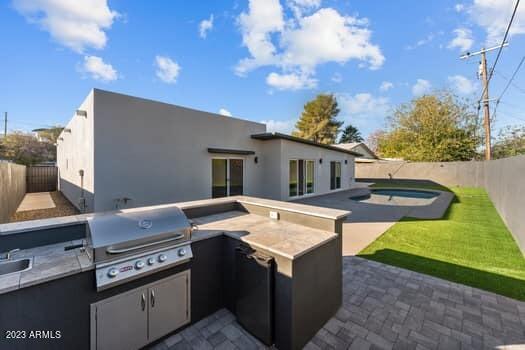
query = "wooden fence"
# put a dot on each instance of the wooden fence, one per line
(41, 179)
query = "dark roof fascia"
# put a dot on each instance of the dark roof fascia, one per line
(275, 136)
(229, 151)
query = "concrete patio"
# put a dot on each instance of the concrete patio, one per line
(385, 307)
(36, 201)
(369, 221)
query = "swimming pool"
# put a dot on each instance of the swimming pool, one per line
(398, 197)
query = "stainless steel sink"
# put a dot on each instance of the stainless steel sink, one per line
(12, 266)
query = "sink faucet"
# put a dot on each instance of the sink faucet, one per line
(7, 255)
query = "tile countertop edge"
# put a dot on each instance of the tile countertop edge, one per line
(305, 209)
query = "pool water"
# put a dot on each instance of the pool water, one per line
(398, 197)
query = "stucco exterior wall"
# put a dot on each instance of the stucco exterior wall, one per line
(295, 150)
(75, 153)
(503, 179)
(156, 153)
(12, 189)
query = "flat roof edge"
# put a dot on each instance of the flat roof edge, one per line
(276, 136)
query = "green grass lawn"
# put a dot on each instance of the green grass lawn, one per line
(469, 245)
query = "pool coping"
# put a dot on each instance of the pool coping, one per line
(432, 211)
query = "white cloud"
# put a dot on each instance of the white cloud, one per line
(98, 69)
(462, 40)
(386, 85)
(225, 112)
(459, 7)
(421, 87)
(494, 16)
(74, 24)
(290, 81)
(299, 7)
(167, 69)
(363, 110)
(327, 36)
(304, 42)
(263, 18)
(282, 126)
(337, 78)
(362, 103)
(426, 40)
(205, 26)
(462, 85)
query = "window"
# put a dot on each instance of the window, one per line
(293, 178)
(301, 177)
(310, 176)
(335, 175)
(227, 176)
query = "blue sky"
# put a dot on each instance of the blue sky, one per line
(260, 60)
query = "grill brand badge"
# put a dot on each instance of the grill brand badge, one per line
(145, 224)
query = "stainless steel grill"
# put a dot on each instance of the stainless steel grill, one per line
(130, 244)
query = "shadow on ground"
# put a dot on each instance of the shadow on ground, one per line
(504, 285)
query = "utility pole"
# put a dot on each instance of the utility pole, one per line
(5, 124)
(486, 107)
(484, 76)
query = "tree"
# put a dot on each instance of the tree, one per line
(435, 127)
(317, 122)
(25, 149)
(350, 134)
(50, 134)
(510, 142)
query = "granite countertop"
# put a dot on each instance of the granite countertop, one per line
(278, 237)
(49, 262)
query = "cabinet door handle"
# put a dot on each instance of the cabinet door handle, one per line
(143, 302)
(152, 298)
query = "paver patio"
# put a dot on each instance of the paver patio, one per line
(386, 307)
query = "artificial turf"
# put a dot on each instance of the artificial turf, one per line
(469, 245)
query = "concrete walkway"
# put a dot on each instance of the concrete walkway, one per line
(369, 221)
(36, 201)
(385, 307)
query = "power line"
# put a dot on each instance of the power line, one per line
(507, 86)
(501, 47)
(486, 77)
(503, 76)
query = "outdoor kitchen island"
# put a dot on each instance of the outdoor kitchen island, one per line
(303, 241)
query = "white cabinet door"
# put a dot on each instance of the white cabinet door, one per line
(121, 321)
(169, 305)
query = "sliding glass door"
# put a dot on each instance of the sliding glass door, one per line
(335, 175)
(236, 177)
(301, 177)
(227, 176)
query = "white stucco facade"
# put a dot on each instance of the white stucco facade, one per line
(152, 153)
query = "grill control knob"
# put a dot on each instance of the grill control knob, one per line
(162, 257)
(151, 261)
(112, 272)
(139, 264)
(182, 252)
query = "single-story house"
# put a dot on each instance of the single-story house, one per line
(120, 151)
(367, 155)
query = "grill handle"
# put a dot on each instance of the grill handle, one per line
(125, 250)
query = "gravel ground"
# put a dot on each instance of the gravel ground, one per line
(63, 208)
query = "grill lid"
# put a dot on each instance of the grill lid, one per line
(119, 232)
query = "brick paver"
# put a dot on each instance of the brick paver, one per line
(385, 307)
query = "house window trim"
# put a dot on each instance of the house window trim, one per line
(305, 194)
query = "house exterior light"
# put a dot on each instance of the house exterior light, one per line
(81, 113)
